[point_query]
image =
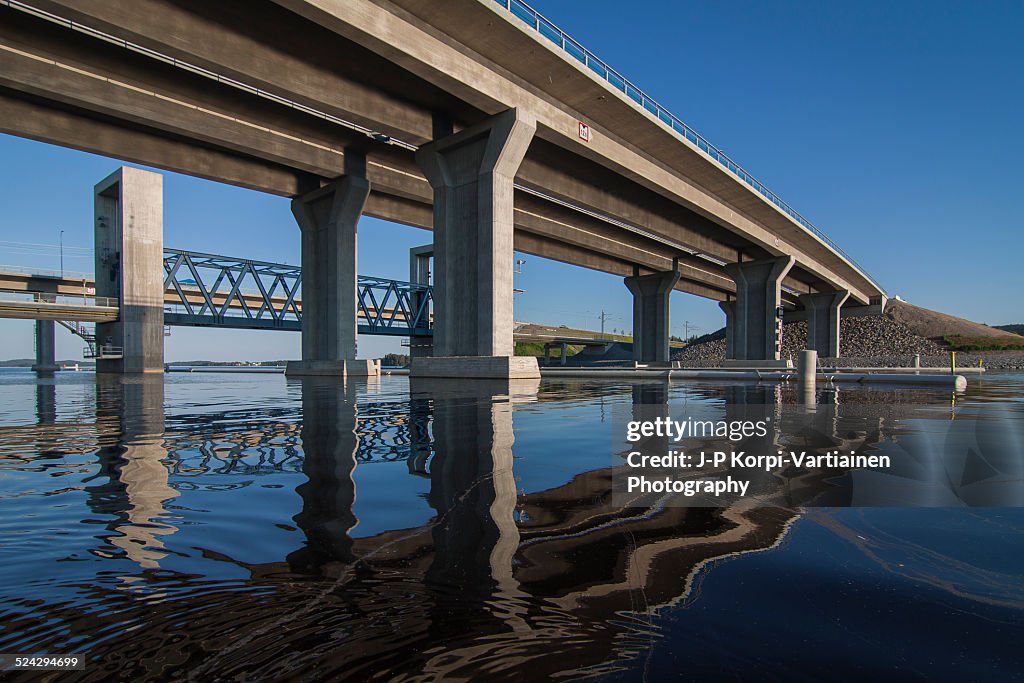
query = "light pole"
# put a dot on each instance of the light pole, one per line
(518, 270)
(61, 254)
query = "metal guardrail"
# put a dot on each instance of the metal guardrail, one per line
(61, 299)
(533, 19)
(103, 352)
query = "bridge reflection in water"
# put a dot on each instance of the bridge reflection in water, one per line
(558, 580)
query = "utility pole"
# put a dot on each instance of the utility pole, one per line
(61, 239)
(604, 316)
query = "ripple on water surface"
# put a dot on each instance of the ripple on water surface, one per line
(234, 525)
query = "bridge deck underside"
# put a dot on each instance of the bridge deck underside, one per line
(67, 88)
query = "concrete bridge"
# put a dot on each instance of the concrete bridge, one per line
(477, 119)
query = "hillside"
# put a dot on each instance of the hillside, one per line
(955, 332)
(890, 339)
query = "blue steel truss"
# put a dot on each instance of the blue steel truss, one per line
(207, 290)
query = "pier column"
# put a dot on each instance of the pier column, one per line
(754, 319)
(46, 360)
(729, 308)
(650, 314)
(419, 273)
(472, 173)
(327, 218)
(823, 321)
(129, 244)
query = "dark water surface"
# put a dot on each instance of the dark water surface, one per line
(249, 527)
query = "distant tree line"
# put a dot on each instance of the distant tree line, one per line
(399, 360)
(1016, 329)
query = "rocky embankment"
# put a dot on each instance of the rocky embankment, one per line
(875, 341)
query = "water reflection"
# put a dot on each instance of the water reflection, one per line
(329, 447)
(132, 482)
(46, 402)
(495, 577)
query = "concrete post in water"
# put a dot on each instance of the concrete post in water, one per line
(651, 315)
(46, 361)
(129, 245)
(472, 174)
(917, 360)
(807, 369)
(823, 312)
(419, 273)
(328, 218)
(755, 332)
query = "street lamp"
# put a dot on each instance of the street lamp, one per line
(518, 270)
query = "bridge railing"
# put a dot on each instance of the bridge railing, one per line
(532, 18)
(47, 272)
(60, 299)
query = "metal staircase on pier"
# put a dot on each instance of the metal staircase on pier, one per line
(92, 349)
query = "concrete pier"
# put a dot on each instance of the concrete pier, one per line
(563, 352)
(419, 273)
(129, 241)
(752, 329)
(823, 314)
(46, 361)
(328, 219)
(472, 173)
(651, 314)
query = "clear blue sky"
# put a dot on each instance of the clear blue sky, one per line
(895, 127)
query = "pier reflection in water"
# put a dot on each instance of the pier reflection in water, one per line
(430, 530)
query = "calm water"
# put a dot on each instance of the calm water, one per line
(244, 527)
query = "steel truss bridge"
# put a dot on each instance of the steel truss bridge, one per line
(208, 290)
